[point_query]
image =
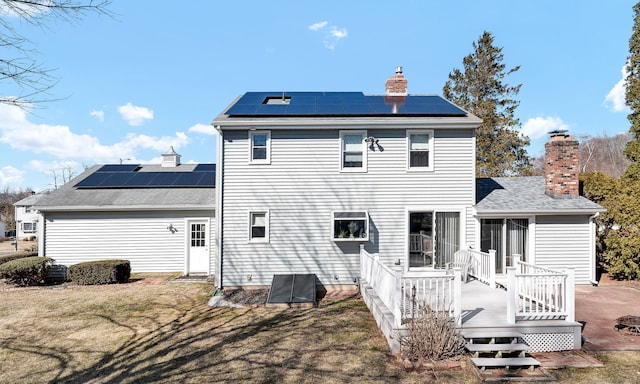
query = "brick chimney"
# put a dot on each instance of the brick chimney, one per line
(396, 85)
(561, 166)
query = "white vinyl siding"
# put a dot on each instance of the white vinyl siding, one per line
(302, 189)
(152, 242)
(564, 241)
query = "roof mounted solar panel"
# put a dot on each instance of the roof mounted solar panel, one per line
(252, 104)
(119, 168)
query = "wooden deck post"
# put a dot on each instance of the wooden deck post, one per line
(492, 268)
(512, 292)
(570, 291)
(457, 295)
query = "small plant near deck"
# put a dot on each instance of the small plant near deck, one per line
(26, 271)
(431, 335)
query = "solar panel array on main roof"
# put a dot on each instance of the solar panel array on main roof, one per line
(127, 176)
(340, 104)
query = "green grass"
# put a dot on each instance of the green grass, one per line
(166, 333)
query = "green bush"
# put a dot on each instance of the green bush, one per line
(100, 272)
(26, 271)
(15, 256)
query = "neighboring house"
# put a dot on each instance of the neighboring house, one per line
(27, 219)
(159, 217)
(3, 229)
(306, 178)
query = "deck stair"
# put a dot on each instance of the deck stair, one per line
(504, 350)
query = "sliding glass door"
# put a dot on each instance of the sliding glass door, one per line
(433, 238)
(507, 237)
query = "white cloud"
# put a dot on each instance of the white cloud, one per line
(10, 176)
(206, 129)
(331, 35)
(318, 25)
(60, 142)
(615, 99)
(135, 115)
(98, 115)
(538, 127)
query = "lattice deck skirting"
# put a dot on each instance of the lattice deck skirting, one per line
(548, 342)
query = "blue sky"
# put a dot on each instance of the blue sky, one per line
(158, 73)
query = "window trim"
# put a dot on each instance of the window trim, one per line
(428, 132)
(253, 133)
(364, 216)
(363, 134)
(252, 239)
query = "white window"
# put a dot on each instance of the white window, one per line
(353, 151)
(29, 227)
(260, 147)
(259, 226)
(420, 150)
(350, 226)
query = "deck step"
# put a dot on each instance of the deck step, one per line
(517, 347)
(491, 362)
(490, 334)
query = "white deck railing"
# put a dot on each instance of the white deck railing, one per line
(397, 293)
(483, 266)
(535, 292)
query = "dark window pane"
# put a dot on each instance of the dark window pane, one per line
(257, 232)
(419, 159)
(259, 153)
(259, 140)
(353, 159)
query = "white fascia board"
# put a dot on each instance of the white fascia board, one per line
(115, 208)
(274, 123)
(535, 212)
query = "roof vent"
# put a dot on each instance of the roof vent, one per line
(171, 158)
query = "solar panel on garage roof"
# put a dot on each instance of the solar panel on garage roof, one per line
(118, 168)
(341, 104)
(114, 176)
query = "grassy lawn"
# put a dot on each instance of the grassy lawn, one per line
(167, 333)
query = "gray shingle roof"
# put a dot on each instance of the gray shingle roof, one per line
(526, 195)
(68, 198)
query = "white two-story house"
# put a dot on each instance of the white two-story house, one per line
(307, 178)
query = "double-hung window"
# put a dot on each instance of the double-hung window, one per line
(259, 226)
(420, 150)
(260, 147)
(353, 151)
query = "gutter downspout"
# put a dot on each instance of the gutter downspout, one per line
(219, 211)
(592, 239)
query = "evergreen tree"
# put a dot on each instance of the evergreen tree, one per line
(480, 89)
(619, 229)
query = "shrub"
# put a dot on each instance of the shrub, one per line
(432, 335)
(100, 272)
(26, 271)
(15, 256)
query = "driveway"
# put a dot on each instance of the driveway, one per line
(599, 307)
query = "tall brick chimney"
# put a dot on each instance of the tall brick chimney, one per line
(562, 166)
(396, 85)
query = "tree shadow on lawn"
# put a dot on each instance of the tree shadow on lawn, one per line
(202, 344)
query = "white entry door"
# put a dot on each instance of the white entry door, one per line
(198, 260)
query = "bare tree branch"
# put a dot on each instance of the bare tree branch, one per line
(19, 68)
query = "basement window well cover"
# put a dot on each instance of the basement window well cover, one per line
(294, 288)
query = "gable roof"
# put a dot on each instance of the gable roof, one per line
(281, 110)
(76, 196)
(525, 195)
